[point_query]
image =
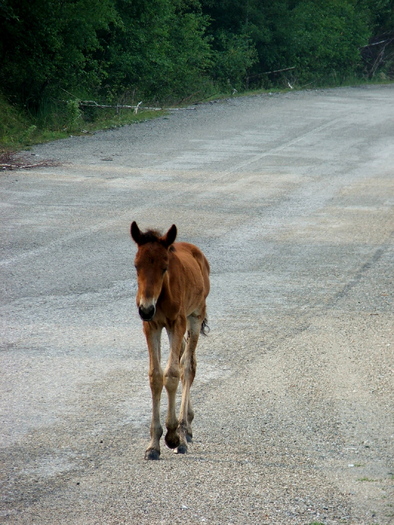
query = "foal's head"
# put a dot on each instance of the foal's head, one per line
(151, 263)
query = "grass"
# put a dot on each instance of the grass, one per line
(368, 480)
(19, 130)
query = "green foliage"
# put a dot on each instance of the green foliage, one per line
(13, 124)
(18, 130)
(234, 56)
(159, 50)
(327, 38)
(189, 54)
(47, 46)
(55, 53)
(378, 57)
(381, 14)
(271, 25)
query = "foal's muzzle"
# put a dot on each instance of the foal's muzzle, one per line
(148, 313)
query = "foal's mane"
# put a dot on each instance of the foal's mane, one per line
(150, 236)
(153, 236)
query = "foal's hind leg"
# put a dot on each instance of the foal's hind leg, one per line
(188, 372)
(190, 412)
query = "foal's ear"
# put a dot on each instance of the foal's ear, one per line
(135, 232)
(169, 237)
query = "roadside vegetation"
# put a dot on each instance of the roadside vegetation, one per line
(74, 66)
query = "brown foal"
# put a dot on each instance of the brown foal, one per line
(173, 284)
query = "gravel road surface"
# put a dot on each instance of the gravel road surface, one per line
(291, 198)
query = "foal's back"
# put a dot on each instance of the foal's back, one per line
(191, 269)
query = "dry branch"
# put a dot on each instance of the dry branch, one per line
(18, 166)
(93, 104)
(278, 70)
(9, 161)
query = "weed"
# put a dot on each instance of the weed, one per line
(367, 479)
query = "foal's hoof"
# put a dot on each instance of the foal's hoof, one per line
(189, 438)
(152, 453)
(172, 440)
(182, 449)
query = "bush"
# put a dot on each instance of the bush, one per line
(234, 56)
(327, 39)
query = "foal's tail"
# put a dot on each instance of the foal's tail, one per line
(204, 327)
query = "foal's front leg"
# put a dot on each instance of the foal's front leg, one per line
(171, 379)
(153, 335)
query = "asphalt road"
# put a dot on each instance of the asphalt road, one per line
(291, 198)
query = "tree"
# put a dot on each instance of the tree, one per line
(48, 45)
(159, 49)
(327, 37)
(378, 55)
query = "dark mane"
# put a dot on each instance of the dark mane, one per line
(149, 236)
